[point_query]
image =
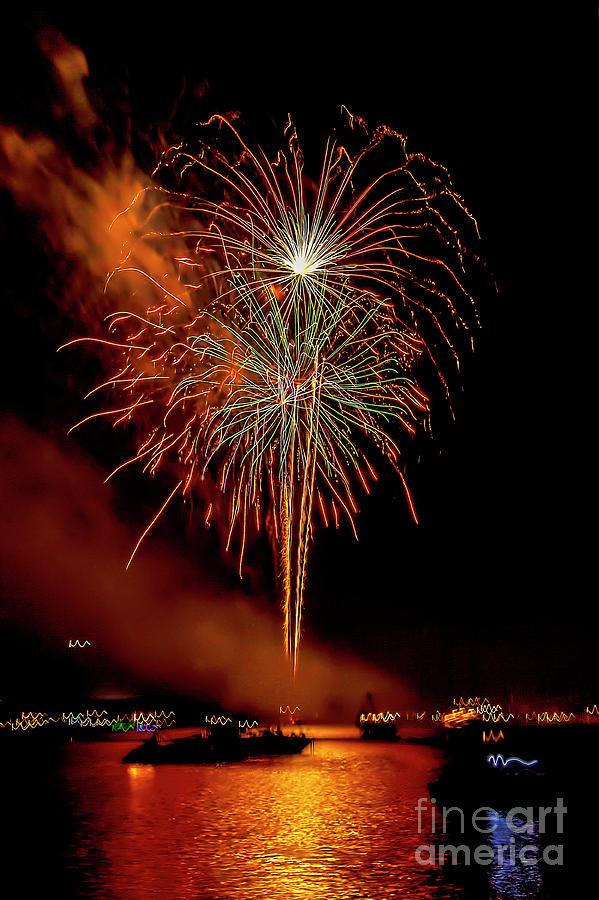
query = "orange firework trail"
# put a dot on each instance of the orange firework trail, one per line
(288, 341)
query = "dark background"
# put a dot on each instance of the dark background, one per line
(493, 591)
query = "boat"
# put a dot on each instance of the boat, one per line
(376, 726)
(379, 731)
(216, 748)
(497, 781)
(272, 743)
(512, 766)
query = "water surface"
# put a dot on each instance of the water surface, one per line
(337, 823)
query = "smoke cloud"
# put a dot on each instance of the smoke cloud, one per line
(63, 547)
(62, 554)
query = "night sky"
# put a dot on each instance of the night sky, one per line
(492, 593)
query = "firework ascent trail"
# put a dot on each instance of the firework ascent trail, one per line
(287, 342)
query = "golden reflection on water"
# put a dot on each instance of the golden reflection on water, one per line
(138, 772)
(337, 823)
(340, 823)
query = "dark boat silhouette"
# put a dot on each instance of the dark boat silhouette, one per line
(379, 731)
(375, 726)
(216, 748)
(529, 765)
(475, 784)
(271, 743)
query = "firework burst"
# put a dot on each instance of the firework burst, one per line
(287, 343)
